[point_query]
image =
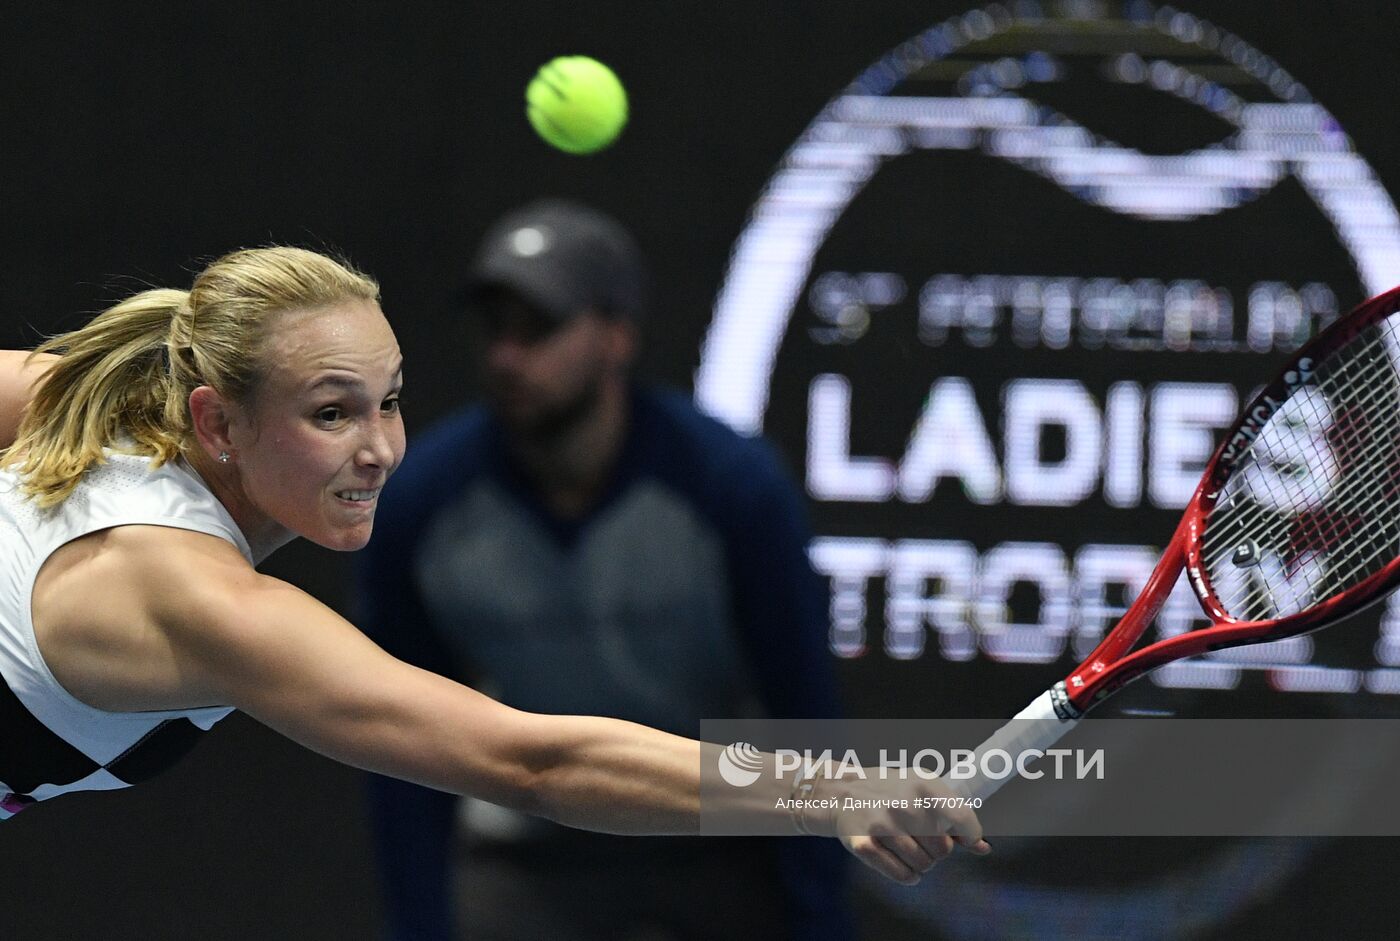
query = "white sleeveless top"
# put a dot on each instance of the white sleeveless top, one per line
(123, 491)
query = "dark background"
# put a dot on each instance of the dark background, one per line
(140, 139)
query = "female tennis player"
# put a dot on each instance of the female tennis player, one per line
(166, 448)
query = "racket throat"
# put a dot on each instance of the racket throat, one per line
(1061, 703)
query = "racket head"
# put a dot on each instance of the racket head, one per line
(1296, 521)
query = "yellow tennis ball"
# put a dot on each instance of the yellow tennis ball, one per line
(576, 104)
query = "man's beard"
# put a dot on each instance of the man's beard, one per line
(556, 420)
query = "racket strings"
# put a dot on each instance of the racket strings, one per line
(1313, 504)
(1256, 519)
(1322, 530)
(1318, 530)
(1352, 547)
(1343, 438)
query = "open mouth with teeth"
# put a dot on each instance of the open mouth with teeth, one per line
(357, 496)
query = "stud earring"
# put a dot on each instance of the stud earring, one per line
(223, 457)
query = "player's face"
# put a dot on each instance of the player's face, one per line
(323, 432)
(541, 375)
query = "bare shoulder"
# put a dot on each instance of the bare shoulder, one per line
(163, 567)
(104, 607)
(251, 640)
(213, 608)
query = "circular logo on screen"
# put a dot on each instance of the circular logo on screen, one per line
(997, 302)
(740, 764)
(1031, 259)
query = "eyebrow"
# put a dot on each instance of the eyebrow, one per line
(349, 380)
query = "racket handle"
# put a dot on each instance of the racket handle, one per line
(1038, 726)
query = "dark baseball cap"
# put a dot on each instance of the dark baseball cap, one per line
(564, 258)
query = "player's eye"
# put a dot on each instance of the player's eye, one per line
(330, 414)
(390, 405)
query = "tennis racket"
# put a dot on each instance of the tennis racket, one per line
(1294, 526)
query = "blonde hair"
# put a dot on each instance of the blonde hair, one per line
(123, 380)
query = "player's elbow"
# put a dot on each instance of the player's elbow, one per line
(514, 760)
(537, 765)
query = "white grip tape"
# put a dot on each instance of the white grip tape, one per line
(1036, 727)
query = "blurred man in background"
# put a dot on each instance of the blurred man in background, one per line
(584, 543)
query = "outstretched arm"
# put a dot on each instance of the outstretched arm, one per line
(230, 635)
(295, 665)
(19, 371)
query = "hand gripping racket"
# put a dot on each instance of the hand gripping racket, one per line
(1294, 526)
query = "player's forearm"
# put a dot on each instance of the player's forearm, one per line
(582, 771)
(619, 777)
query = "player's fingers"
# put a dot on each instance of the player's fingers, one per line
(878, 857)
(981, 847)
(964, 827)
(937, 847)
(909, 851)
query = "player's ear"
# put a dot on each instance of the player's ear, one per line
(213, 418)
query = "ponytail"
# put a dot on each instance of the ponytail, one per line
(111, 381)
